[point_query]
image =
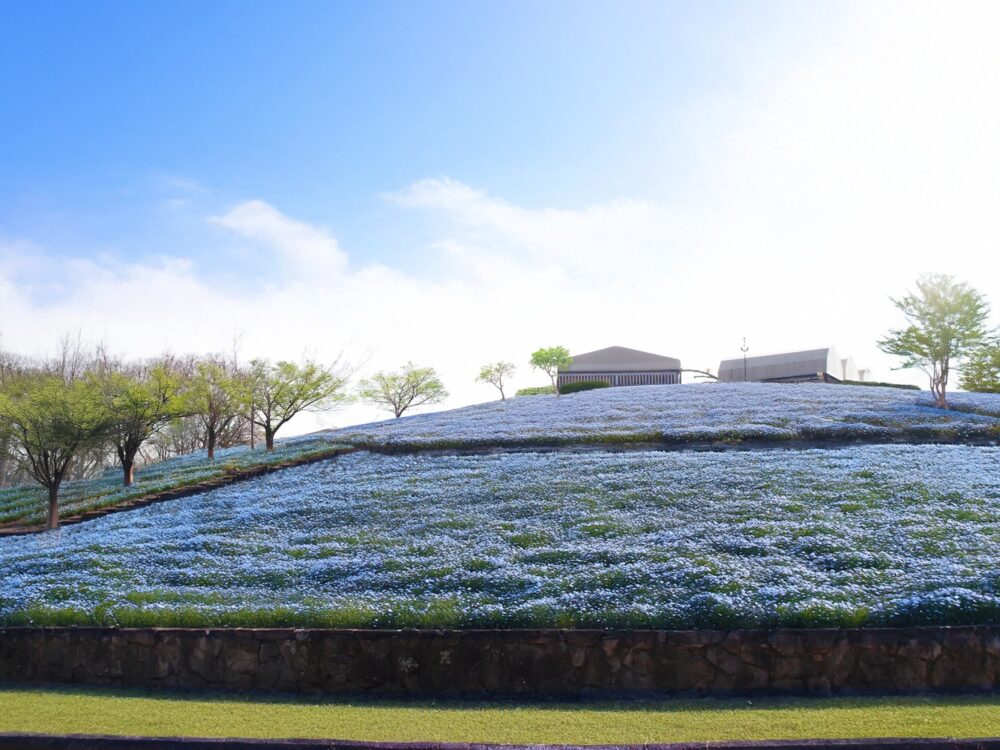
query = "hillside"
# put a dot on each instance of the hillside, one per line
(694, 413)
(861, 534)
(26, 504)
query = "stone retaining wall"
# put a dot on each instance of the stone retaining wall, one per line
(818, 662)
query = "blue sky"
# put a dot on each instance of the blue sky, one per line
(450, 182)
(324, 106)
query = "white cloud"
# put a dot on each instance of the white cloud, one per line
(819, 190)
(306, 247)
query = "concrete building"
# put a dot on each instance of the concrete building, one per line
(618, 365)
(812, 365)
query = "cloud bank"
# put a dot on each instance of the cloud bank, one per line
(819, 189)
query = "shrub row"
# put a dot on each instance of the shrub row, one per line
(904, 386)
(544, 390)
(584, 385)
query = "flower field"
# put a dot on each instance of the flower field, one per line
(27, 503)
(856, 535)
(694, 413)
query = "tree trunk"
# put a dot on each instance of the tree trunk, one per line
(269, 439)
(128, 471)
(940, 401)
(211, 444)
(53, 520)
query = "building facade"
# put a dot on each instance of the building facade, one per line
(619, 366)
(823, 365)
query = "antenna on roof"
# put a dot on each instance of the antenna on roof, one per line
(744, 349)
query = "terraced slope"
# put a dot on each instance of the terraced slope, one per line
(27, 505)
(694, 413)
(855, 527)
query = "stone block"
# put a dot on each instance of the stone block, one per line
(554, 662)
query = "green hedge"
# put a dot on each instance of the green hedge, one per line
(584, 385)
(544, 390)
(904, 386)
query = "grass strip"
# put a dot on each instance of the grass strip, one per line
(129, 712)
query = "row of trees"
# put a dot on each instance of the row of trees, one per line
(81, 412)
(54, 414)
(547, 359)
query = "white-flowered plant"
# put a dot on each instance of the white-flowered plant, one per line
(866, 534)
(26, 504)
(694, 413)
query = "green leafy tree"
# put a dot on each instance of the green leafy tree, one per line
(981, 371)
(215, 396)
(947, 323)
(139, 401)
(277, 391)
(495, 373)
(550, 360)
(50, 421)
(407, 388)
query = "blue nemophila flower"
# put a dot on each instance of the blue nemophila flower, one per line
(875, 534)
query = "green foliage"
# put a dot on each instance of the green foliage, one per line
(49, 421)
(217, 396)
(279, 391)
(407, 388)
(947, 323)
(495, 373)
(584, 385)
(981, 372)
(138, 402)
(549, 360)
(543, 390)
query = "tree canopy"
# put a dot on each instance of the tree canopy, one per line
(216, 395)
(549, 360)
(407, 388)
(139, 401)
(946, 324)
(981, 371)
(495, 373)
(49, 421)
(277, 391)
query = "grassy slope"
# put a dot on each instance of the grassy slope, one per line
(693, 413)
(688, 413)
(27, 503)
(862, 535)
(103, 711)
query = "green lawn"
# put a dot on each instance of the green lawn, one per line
(106, 711)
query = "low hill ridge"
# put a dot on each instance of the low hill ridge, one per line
(692, 413)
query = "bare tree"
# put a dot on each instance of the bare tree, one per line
(11, 366)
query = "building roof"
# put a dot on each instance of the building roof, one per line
(621, 359)
(806, 363)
